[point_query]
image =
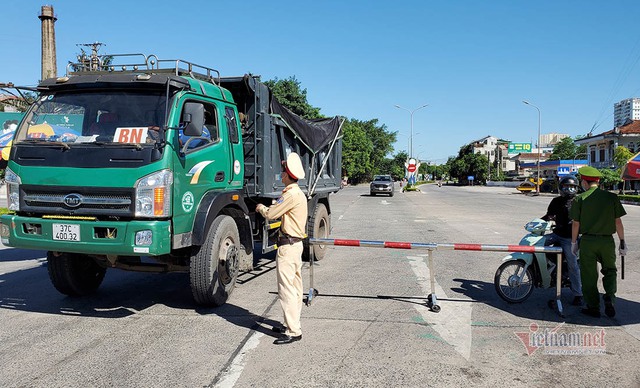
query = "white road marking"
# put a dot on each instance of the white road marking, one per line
(231, 375)
(384, 202)
(453, 322)
(15, 266)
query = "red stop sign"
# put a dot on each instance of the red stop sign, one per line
(411, 168)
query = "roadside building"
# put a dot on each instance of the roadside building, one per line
(514, 159)
(600, 147)
(507, 164)
(626, 111)
(497, 151)
(486, 146)
(552, 169)
(549, 140)
(526, 164)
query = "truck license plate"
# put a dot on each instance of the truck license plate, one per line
(66, 232)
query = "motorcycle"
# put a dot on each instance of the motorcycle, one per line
(520, 272)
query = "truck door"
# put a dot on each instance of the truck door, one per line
(236, 154)
(202, 164)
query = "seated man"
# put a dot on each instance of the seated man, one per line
(105, 125)
(198, 140)
(209, 133)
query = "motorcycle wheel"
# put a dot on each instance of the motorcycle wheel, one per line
(508, 284)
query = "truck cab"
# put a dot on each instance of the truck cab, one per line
(141, 168)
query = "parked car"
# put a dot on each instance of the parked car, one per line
(382, 184)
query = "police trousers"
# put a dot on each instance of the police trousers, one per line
(290, 291)
(594, 250)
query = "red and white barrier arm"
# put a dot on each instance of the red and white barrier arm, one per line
(433, 246)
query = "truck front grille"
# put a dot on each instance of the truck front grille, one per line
(93, 201)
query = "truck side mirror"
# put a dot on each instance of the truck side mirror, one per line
(193, 118)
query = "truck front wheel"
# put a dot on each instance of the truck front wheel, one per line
(319, 227)
(74, 274)
(214, 267)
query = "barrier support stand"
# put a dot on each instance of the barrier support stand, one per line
(559, 285)
(432, 300)
(312, 291)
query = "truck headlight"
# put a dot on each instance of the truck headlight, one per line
(12, 180)
(153, 195)
(4, 231)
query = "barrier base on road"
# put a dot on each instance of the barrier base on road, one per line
(432, 300)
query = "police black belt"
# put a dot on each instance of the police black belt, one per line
(288, 240)
(598, 235)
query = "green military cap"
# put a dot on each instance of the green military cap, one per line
(589, 173)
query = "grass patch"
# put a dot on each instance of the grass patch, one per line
(630, 198)
(413, 187)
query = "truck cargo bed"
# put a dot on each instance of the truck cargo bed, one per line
(270, 132)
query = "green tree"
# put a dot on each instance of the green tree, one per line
(610, 178)
(395, 165)
(436, 171)
(566, 149)
(290, 94)
(365, 148)
(382, 141)
(468, 164)
(18, 98)
(356, 152)
(496, 173)
(621, 156)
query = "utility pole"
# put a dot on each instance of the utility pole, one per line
(93, 62)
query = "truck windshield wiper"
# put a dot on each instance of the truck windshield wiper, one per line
(47, 142)
(116, 144)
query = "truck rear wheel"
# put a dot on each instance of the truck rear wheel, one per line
(319, 227)
(214, 268)
(74, 274)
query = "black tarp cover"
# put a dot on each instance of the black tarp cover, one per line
(316, 134)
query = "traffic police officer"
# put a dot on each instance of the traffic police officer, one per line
(596, 216)
(292, 207)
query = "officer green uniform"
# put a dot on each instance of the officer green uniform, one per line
(596, 217)
(292, 208)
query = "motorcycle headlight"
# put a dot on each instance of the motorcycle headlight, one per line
(153, 195)
(12, 181)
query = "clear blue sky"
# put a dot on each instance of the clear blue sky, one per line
(472, 61)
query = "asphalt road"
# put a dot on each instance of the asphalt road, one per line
(369, 327)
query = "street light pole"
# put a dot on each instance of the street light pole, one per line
(411, 112)
(573, 164)
(539, 119)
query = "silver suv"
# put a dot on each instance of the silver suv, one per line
(382, 184)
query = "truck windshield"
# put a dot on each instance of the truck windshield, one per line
(116, 117)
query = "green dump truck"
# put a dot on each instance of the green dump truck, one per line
(157, 165)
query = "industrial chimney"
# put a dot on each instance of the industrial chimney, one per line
(49, 66)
